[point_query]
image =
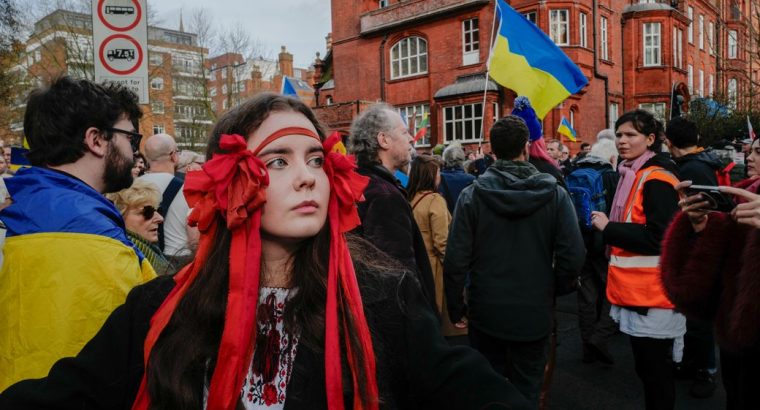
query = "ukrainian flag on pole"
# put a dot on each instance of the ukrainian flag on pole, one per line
(567, 130)
(525, 60)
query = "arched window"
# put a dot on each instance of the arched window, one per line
(409, 57)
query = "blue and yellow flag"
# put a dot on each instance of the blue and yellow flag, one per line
(527, 61)
(567, 130)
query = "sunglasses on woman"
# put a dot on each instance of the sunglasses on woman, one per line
(148, 211)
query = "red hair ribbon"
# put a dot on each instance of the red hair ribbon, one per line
(233, 183)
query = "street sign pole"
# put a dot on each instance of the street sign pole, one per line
(120, 35)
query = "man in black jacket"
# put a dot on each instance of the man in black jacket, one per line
(700, 167)
(516, 235)
(382, 145)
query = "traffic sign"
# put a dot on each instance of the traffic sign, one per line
(120, 34)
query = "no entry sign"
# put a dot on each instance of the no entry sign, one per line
(120, 34)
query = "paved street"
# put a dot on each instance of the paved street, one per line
(581, 386)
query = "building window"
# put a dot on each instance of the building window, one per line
(733, 44)
(701, 32)
(241, 86)
(157, 107)
(677, 48)
(652, 44)
(409, 57)
(711, 37)
(382, 3)
(157, 83)
(559, 27)
(495, 108)
(224, 73)
(158, 129)
(37, 55)
(470, 42)
(701, 83)
(212, 91)
(532, 16)
(414, 115)
(572, 118)
(225, 104)
(732, 92)
(658, 109)
(711, 85)
(224, 89)
(603, 44)
(463, 122)
(156, 58)
(690, 30)
(582, 18)
(329, 100)
(614, 114)
(690, 78)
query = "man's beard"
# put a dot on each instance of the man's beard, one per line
(118, 173)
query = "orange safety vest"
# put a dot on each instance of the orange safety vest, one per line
(633, 279)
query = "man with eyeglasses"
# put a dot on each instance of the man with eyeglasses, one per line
(176, 239)
(67, 259)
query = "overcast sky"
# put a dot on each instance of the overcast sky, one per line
(300, 25)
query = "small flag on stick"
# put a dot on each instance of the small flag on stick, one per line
(566, 129)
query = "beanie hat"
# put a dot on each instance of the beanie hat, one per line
(525, 111)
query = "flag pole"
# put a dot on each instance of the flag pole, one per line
(485, 81)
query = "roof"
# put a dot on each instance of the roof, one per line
(646, 7)
(329, 85)
(466, 84)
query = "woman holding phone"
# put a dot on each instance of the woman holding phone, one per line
(644, 203)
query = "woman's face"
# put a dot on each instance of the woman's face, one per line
(138, 168)
(143, 219)
(298, 191)
(631, 144)
(753, 159)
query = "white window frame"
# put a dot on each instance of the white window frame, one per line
(656, 108)
(157, 84)
(158, 129)
(614, 112)
(418, 112)
(572, 118)
(690, 78)
(455, 117)
(582, 30)
(653, 51)
(701, 31)
(382, 4)
(532, 16)
(732, 91)
(212, 91)
(690, 30)
(711, 37)
(733, 44)
(157, 107)
(224, 89)
(701, 89)
(604, 42)
(559, 26)
(402, 57)
(711, 85)
(470, 42)
(677, 48)
(156, 58)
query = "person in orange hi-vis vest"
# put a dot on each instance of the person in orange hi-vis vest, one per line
(644, 204)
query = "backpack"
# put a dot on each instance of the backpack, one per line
(723, 175)
(587, 192)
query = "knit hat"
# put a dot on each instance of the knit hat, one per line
(525, 111)
(233, 185)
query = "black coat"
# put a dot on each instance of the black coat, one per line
(699, 168)
(388, 222)
(416, 367)
(518, 238)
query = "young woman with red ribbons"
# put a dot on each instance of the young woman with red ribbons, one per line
(280, 308)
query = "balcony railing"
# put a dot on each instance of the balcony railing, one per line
(407, 11)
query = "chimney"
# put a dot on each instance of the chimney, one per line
(328, 41)
(286, 62)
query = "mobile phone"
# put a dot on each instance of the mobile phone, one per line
(717, 200)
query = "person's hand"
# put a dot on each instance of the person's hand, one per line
(747, 213)
(694, 206)
(599, 220)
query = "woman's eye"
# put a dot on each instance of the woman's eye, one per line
(317, 161)
(276, 163)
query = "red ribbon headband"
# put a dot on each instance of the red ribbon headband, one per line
(284, 132)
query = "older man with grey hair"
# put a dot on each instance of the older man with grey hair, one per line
(453, 176)
(382, 145)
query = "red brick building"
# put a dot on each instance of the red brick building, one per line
(430, 56)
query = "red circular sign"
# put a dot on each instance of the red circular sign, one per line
(104, 61)
(119, 10)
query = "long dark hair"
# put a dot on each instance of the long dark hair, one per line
(422, 175)
(184, 356)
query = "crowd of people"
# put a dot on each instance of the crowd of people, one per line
(279, 272)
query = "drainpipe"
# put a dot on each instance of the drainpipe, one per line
(597, 74)
(382, 67)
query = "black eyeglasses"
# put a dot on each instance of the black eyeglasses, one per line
(148, 211)
(134, 137)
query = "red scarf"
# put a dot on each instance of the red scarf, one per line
(233, 183)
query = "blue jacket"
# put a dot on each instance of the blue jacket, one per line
(453, 181)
